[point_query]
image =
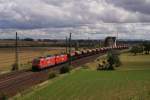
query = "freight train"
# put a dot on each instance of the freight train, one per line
(53, 60)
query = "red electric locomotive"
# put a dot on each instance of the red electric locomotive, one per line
(49, 61)
(39, 63)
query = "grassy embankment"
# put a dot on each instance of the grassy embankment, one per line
(131, 81)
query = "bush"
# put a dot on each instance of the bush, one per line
(103, 65)
(3, 96)
(98, 59)
(64, 69)
(100, 67)
(14, 67)
(118, 62)
(113, 60)
(52, 75)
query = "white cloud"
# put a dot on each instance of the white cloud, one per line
(56, 18)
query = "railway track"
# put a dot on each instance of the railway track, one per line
(11, 84)
(12, 74)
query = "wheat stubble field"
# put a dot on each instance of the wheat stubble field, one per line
(26, 55)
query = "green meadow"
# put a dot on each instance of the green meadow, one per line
(131, 81)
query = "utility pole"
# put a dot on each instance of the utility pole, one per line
(15, 67)
(99, 43)
(70, 49)
(89, 45)
(116, 40)
(66, 45)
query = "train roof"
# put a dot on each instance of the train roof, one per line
(49, 55)
(94, 49)
(78, 52)
(89, 50)
(85, 51)
(38, 58)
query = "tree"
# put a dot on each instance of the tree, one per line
(136, 49)
(29, 39)
(3, 96)
(110, 59)
(113, 60)
(146, 46)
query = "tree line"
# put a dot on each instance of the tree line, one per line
(143, 48)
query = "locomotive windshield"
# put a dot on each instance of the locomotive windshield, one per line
(35, 61)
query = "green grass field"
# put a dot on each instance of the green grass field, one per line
(130, 62)
(129, 82)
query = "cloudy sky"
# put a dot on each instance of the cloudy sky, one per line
(84, 18)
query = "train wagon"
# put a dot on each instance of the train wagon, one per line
(119, 47)
(93, 51)
(102, 50)
(113, 47)
(89, 52)
(72, 55)
(78, 54)
(84, 53)
(97, 50)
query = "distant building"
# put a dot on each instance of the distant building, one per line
(110, 41)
